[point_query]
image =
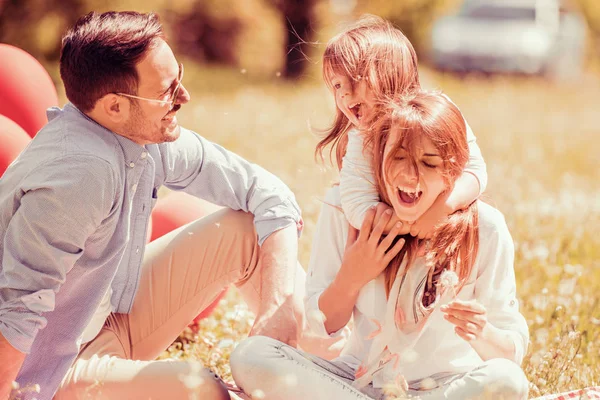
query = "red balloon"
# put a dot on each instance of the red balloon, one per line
(149, 231)
(13, 139)
(211, 307)
(175, 210)
(26, 89)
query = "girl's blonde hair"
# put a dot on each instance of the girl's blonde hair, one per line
(374, 50)
(433, 116)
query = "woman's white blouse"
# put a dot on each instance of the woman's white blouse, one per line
(438, 350)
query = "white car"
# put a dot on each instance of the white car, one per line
(520, 36)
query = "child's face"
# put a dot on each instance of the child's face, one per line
(412, 192)
(353, 98)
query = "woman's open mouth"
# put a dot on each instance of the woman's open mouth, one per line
(409, 197)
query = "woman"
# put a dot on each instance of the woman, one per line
(433, 318)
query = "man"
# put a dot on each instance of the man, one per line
(85, 306)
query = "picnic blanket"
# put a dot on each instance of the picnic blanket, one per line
(588, 393)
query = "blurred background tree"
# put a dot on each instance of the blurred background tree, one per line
(262, 38)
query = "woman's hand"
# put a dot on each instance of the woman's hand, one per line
(471, 324)
(367, 254)
(469, 318)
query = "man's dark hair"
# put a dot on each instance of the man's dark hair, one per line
(100, 52)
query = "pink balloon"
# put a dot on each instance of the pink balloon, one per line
(26, 89)
(13, 139)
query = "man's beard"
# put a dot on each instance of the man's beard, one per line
(139, 129)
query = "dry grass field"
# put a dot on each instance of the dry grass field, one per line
(541, 142)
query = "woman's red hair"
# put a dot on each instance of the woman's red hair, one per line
(404, 122)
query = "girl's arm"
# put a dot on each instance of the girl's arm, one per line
(475, 167)
(467, 189)
(357, 182)
(492, 323)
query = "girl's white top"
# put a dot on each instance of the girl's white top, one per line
(357, 183)
(426, 346)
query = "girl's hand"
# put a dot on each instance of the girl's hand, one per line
(404, 229)
(423, 227)
(469, 318)
(367, 254)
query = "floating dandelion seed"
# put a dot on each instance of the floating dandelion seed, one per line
(290, 380)
(218, 224)
(573, 335)
(449, 281)
(278, 74)
(192, 381)
(15, 385)
(243, 70)
(428, 384)
(410, 356)
(257, 394)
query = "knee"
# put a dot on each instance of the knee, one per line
(506, 379)
(251, 351)
(250, 362)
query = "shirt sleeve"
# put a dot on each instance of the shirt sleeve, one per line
(46, 236)
(357, 182)
(209, 171)
(495, 286)
(476, 164)
(325, 260)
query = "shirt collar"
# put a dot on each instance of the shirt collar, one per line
(131, 150)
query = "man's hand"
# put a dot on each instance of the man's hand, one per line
(279, 322)
(10, 363)
(280, 310)
(367, 254)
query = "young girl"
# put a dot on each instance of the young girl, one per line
(368, 63)
(433, 318)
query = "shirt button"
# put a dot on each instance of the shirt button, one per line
(134, 187)
(132, 164)
(144, 155)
